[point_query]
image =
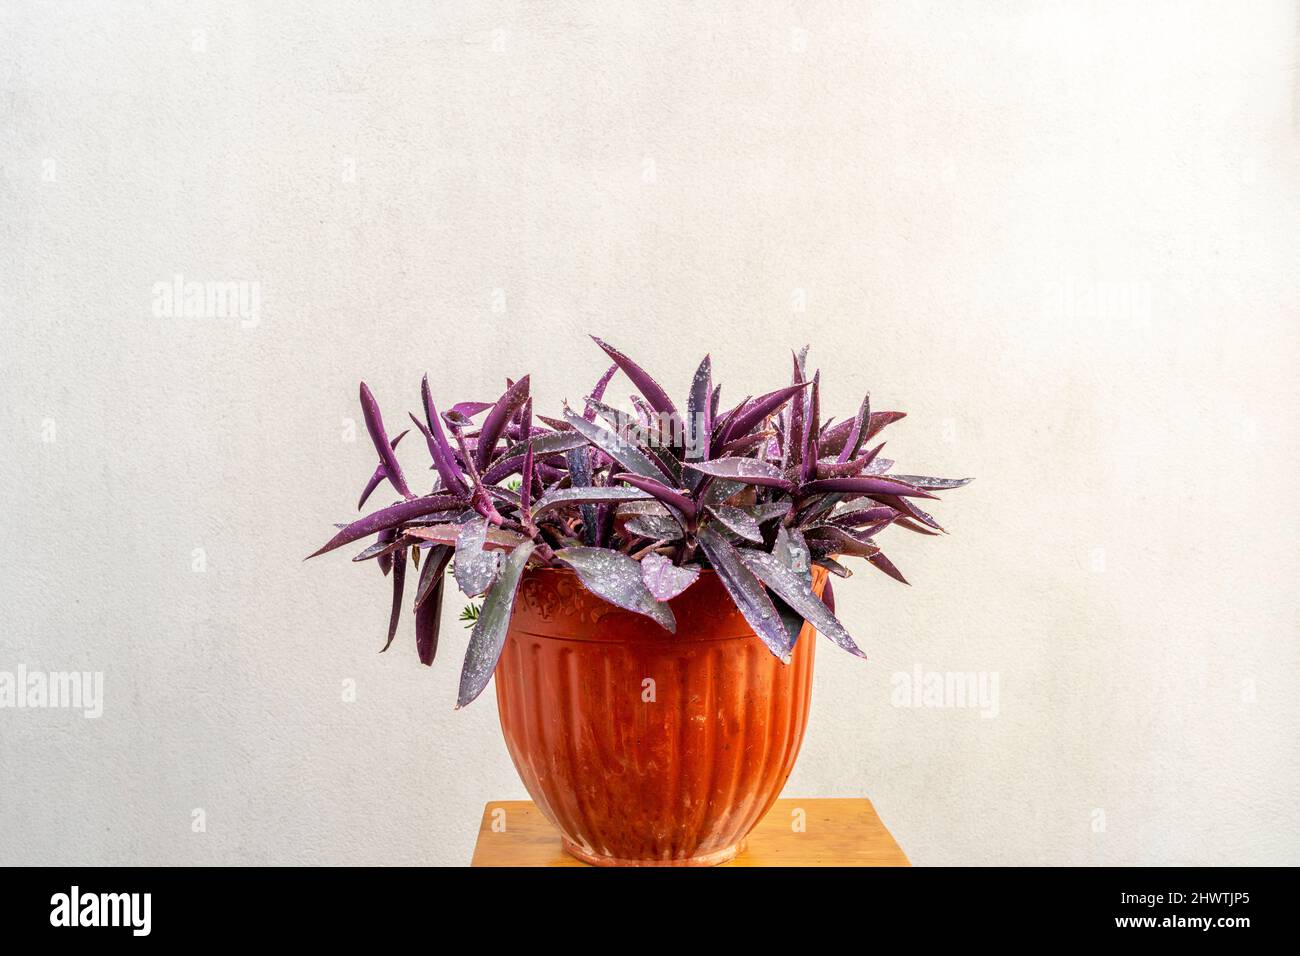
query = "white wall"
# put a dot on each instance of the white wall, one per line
(1063, 236)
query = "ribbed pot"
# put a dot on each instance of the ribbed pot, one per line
(643, 747)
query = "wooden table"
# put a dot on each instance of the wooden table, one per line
(835, 832)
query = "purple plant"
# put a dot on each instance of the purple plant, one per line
(637, 504)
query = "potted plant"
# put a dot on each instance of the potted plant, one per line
(651, 582)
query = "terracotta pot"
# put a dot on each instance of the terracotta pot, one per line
(646, 748)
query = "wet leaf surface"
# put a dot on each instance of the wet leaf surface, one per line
(616, 578)
(666, 580)
(489, 634)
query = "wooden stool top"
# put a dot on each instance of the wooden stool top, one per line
(812, 832)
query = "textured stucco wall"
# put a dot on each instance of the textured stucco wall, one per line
(1063, 236)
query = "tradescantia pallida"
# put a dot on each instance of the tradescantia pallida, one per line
(637, 504)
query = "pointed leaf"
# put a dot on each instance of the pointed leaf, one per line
(759, 409)
(699, 412)
(931, 484)
(655, 527)
(476, 567)
(674, 499)
(435, 566)
(616, 578)
(379, 475)
(665, 579)
(878, 560)
(497, 420)
(428, 603)
(864, 485)
(542, 446)
(489, 634)
(857, 432)
(375, 425)
(648, 387)
(796, 592)
(598, 392)
(832, 539)
(443, 458)
(746, 591)
(738, 522)
(623, 452)
(750, 471)
(399, 581)
(391, 517)
(571, 496)
(497, 538)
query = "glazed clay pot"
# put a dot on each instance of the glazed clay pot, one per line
(646, 748)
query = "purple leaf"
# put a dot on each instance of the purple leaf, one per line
(908, 507)
(391, 517)
(835, 568)
(665, 579)
(834, 439)
(738, 522)
(580, 476)
(428, 617)
(856, 434)
(399, 580)
(375, 425)
(428, 602)
(795, 414)
(497, 539)
(598, 392)
(865, 516)
(470, 409)
(699, 412)
(674, 499)
(616, 578)
(750, 471)
(879, 420)
(648, 387)
(864, 485)
(380, 474)
(498, 419)
(911, 525)
(586, 496)
(832, 539)
(828, 596)
(812, 421)
(435, 565)
(439, 450)
(747, 593)
(526, 487)
(879, 560)
(476, 567)
(542, 446)
(489, 634)
(760, 408)
(928, 484)
(723, 423)
(626, 454)
(791, 587)
(655, 527)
